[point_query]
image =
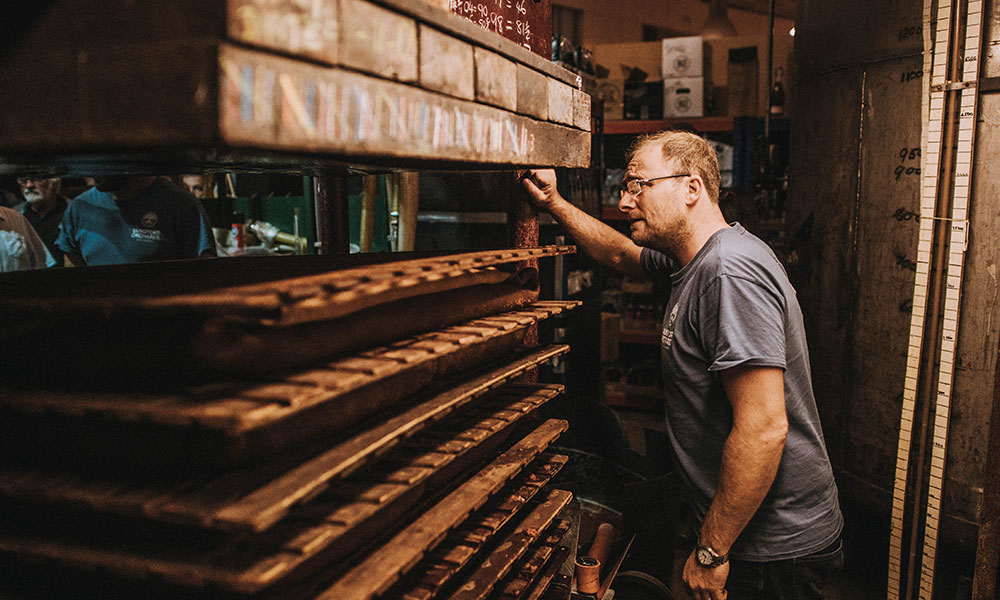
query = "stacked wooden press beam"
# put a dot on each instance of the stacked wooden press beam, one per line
(280, 85)
(416, 458)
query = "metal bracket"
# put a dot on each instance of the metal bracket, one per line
(952, 86)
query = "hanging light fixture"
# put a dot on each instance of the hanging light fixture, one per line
(718, 25)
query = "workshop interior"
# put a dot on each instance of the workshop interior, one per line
(288, 313)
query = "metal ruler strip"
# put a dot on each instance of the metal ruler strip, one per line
(932, 105)
(952, 304)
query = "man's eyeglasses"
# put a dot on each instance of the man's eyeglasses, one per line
(634, 186)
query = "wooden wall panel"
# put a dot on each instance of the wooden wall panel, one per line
(821, 211)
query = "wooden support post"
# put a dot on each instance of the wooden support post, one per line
(522, 220)
(408, 187)
(332, 219)
(368, 212)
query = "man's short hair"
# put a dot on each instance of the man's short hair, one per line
(690, 150)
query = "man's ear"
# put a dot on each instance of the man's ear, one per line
(694, 187)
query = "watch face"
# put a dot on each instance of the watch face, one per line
(704, 556)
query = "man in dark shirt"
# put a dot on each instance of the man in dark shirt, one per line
(43, 206)
(126, 219)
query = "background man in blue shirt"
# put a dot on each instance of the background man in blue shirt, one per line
(134, 219)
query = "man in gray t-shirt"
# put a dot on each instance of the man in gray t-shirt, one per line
(741, 414)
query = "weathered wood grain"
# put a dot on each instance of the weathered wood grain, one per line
(561, 107)
(378, 41)
(310, 29)
(532, 93)
(446, 64)
(496, 79)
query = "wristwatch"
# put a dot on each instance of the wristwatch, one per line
(709, 558)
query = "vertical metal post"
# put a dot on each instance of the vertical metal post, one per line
(332, 217)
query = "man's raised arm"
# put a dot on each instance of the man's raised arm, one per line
(602, 242)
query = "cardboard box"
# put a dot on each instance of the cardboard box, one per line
(685, 57)
(683, 97)
(612, 93)
(622, 60)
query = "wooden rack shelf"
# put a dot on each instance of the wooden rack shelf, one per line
(252, 85)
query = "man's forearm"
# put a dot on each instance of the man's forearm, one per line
(749, 463)
(601, 241)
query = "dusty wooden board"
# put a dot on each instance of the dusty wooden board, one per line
(561, 103)
(309, 30)
(496, 79)
(446, 64)
(379, 41)
(322, 532)
(382, 568)
(581, 110)
(532, 93)
(226, 421)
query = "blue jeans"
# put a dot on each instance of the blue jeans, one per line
(801, 578)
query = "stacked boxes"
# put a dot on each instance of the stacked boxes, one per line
(626, 72)
(686, 68)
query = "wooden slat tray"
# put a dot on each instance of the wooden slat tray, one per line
(534, 572)
(166, 335)
(537, 526)
(378, 571)
(125, 291)
(257, 497)
(320, 533)
(262, 84)
(224, 423)
(468, 545)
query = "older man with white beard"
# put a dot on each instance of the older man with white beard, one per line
(43, 206)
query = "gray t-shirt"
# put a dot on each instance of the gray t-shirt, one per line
(733, 305)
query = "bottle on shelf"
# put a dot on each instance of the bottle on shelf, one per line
(777, 95)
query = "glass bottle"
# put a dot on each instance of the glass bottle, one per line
(777, 95)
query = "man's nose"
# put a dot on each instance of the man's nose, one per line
(626, 202)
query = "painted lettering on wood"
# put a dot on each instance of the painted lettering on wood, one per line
(272, 102)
